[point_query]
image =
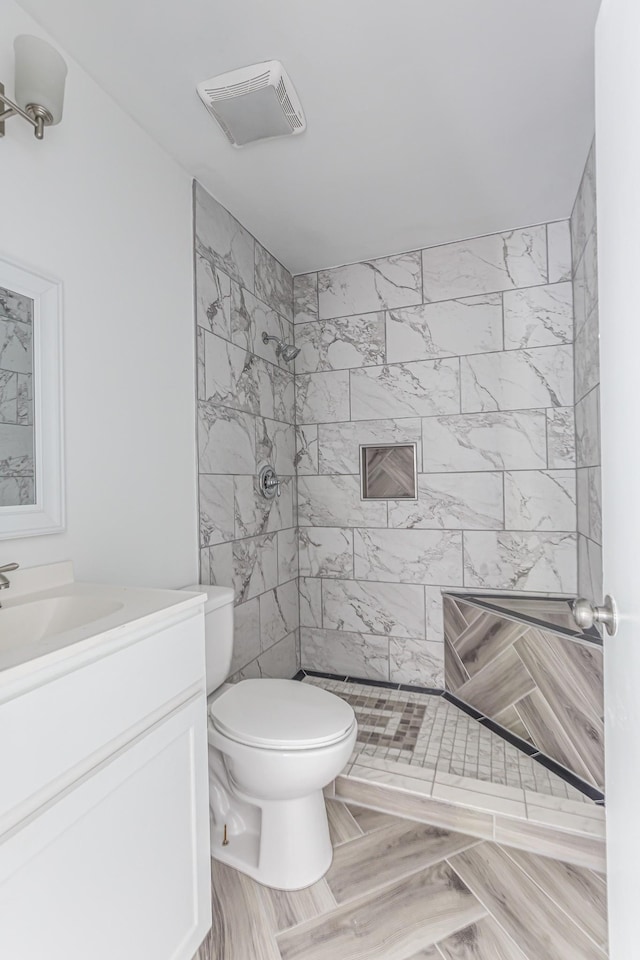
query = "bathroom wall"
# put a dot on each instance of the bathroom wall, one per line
(587, 385)
(245, 420)
(466, 349)
(100, 206)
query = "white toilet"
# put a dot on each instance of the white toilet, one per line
(273, 746)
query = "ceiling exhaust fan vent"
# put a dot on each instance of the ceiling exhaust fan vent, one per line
(254, 103)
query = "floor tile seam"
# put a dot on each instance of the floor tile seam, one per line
(414, 819)
(477, 787)
(555, 832)
(308, 924)
(490, 913)
(489, 916)
(411, 768)
(322, 913)
(263, 921)
(374, 891)
(552, 829)
(343, 843)
(445, 802)
(318, 916)
(407, 770)
(533, 880)
(564, 830)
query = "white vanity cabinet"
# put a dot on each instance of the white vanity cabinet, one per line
(104, 823)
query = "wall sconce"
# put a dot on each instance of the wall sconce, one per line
(39, 85)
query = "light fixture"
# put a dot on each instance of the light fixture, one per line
(39, 84)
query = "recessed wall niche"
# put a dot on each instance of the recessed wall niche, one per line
(388, 471)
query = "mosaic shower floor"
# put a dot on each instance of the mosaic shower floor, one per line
(425, 730)
(431, 751)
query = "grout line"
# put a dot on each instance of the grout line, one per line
(546, 243)
(435, 246)
(506, 850)
(433, 360)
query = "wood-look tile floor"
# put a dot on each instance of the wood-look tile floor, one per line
(400, 890)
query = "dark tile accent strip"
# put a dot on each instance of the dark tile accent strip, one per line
(592, 792)
(567, 775)
(374, 683)
(510, 737)
(317, 673)
(462, 705)
(432, 691)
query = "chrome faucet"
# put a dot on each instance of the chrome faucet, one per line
(4, 581)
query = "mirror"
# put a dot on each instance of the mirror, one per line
(17, 456)
(31, 489)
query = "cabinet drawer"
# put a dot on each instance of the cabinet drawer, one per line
(52, 734)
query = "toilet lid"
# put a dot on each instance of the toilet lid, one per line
(281, 714)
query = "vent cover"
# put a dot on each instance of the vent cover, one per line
(254, 103)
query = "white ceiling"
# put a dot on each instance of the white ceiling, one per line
(428, 120)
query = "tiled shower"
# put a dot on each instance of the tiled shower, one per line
(473, 360)
(484, 355)
(469, 350)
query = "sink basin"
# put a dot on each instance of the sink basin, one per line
(39, 619)
(47, 618)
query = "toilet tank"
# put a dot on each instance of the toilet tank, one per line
(218, 632)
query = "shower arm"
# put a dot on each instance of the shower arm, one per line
(288, 351)
(266, 337)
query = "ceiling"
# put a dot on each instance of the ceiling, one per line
(428, 120)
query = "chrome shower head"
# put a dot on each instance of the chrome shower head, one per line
(289, 352)
(285, 350)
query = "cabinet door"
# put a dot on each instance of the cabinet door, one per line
(118, 868)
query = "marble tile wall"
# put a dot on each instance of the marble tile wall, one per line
(587, 384)
(467, 350)
(246, 416)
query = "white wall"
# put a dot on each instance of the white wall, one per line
(99, 205)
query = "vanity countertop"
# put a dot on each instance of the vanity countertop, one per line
(51, 623)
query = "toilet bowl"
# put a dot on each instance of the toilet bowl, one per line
(273, 746)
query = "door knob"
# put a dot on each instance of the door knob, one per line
(586, 614)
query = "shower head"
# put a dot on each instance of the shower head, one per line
(289, 352)
(285, 350)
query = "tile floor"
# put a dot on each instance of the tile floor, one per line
(426, 731)
(401, 890)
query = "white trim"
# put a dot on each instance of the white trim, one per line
(47, 514)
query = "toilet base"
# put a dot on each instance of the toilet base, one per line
(283, 844)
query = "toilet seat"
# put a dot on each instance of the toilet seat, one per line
(281, 714)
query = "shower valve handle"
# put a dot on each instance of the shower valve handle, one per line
(269, 483)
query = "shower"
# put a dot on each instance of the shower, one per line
(285, 350)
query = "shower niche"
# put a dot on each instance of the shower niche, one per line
(388, 471)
